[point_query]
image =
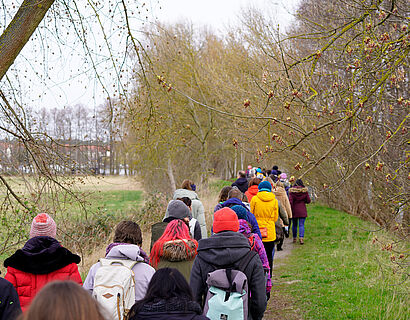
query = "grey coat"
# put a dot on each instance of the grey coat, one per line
(227, 248)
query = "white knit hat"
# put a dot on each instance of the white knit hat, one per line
(43, 225)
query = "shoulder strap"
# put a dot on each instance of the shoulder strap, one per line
(126, 262)
(245, 260)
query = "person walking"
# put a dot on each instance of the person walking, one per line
(298, 198)
(9, 301)
(175, 249)
(188, 189)
(280, 194)
(241, 182)
(227, 247)
(41, 260)
(168, 297)
(266, 210)
(252, 189)
(223, 196)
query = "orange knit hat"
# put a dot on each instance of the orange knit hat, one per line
(225, 220)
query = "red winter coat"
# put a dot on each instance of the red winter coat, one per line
(298, 197)
(251, 192)
(41, 260)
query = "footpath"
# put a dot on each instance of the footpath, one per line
(280, 305)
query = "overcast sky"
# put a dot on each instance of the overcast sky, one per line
(65, 82)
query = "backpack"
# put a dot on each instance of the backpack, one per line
(228, 293)
(114, 287)
(192, 223)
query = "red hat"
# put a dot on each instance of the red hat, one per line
(43, 225)
(225, 220)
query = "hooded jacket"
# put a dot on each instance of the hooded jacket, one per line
(241, 184)
(298, 197)
(251, 218)
(198, 211)
(257, 246)
(265, 208)
(41, 260)
(228, 248)
(281, 195)
(173, 309)
(175, 255)
(9, 301)
(143, 272)
(251, 192)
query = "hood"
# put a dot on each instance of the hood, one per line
(233, 202)
(176, 250)
(125, 251)
(223, 248)
(298, 189)
(265, 196)
(41, 255)
(174, 307)
(253, 190)
(180, 193)
(244, 227)
(280, 192)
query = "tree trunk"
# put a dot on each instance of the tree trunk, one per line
(19, 31)
(171, 176)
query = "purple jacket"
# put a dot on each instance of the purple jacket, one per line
(258, 247)
(298, 197)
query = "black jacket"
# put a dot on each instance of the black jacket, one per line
(9, 301)
(241, 183)
(173, 309)
(228, 248)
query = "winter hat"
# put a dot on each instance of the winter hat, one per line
(265, 186)
(43, 225)
(240, 212)
(283, 176)
(259, 170)
(225, 220)
(178, 209)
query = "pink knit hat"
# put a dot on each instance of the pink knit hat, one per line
(43, 225)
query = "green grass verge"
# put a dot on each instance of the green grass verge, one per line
(341, 274)
(216, 185)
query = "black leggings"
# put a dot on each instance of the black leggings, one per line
(269, 247)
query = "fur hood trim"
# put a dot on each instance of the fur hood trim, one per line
(295, 189)
(180, 250)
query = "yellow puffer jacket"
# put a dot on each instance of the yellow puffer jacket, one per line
(265, 208)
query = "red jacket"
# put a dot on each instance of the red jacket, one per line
(251, 192)
(28, 284)
(41, 260)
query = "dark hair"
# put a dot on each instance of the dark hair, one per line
(128, 232)
(63, 300)
(235, 193)
(185, 200)
(165, 284)
(254, 182)
(275, 167)
(242, 174)
(299, 183)
(186, 184)
(223, 194)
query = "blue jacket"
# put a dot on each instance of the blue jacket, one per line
(251, 218)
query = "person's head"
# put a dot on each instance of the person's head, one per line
(223, 194)
(241, 174)
(225, 219)
(43, 225)
(269, 180)
(283, 176)
(254, 182)
(63, 300)
(265, 186)
(178, 209)
(166, 283)
(128, 232)
(235, 193)
(275, 168)
(187, 201)
(299, 183)
(176, 230)
(188, 185)
(240, 212)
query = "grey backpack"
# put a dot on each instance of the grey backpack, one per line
(228, 293)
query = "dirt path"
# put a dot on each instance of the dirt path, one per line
(280, 305)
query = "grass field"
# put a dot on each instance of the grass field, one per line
(341, 274)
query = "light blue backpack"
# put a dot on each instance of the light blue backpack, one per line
(228, 294)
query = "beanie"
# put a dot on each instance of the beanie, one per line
(178, 209)
(283, 176)
(225, 220)
(240, 212)
(43, 225)
(265, 186)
